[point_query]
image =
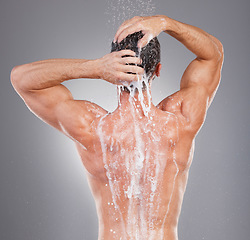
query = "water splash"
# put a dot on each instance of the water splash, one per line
(136, 165)
(135, 159)
(120, 10)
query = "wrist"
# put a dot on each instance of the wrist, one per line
(96, 68)
(169, 24)
(90, 69)
(163, 22)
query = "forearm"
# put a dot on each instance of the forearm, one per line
(202, 44)
(52, 72)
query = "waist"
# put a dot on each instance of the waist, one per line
(137, 221)
(137, 233)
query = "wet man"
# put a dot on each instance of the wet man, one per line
(137, 157)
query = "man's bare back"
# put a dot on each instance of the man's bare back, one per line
(138, 170)
(137, 157)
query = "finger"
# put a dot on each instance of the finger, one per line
(127, 77)
(132, 69)
(120, 29)
(145, 40)
(125, 25)
(124, 77)
(131, 60)
(126, 52)
(127, 31)
(135, 77)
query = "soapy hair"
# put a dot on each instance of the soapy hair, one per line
(150, 54)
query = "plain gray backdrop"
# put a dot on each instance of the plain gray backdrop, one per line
(44, 194)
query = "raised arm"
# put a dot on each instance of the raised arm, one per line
(204, 71)
(39, 84)
(201, 78)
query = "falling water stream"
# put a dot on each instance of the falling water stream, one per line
(136, 166)
(138, 155)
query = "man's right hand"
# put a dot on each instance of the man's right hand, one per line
(150, 26)
(116, 67)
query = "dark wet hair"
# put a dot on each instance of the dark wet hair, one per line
(150, 54)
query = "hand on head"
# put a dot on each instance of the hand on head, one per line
(120, 67)
(150, 26)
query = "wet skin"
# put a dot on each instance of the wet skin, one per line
(137, 162)
(167, 153)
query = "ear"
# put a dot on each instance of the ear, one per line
(158, 69)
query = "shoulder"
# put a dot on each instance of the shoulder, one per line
(189, 105)
(171, 103)
(76, 116)
(78, 109)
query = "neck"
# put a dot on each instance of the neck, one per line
(139, 99)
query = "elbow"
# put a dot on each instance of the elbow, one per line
(16, 77)
(219, 51)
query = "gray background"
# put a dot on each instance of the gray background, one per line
(43, 190)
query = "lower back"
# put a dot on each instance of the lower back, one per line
(126, 211)
(158, 234)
